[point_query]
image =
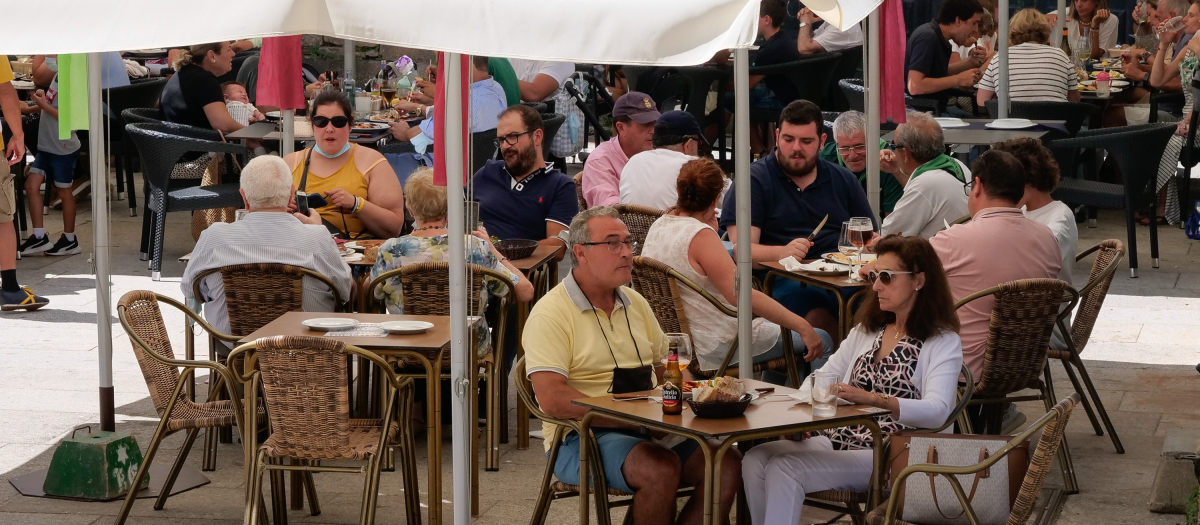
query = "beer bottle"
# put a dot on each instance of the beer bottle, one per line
(1064, 45)
(672, 390)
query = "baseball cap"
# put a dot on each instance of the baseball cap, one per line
(637, 106)
(679, 123)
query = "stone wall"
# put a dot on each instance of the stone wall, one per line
(324, 53)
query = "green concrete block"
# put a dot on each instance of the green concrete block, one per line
(95, 466)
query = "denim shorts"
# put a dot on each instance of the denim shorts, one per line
(60, 168)
(614, 447)
(761, 97)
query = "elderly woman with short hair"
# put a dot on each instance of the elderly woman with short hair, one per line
(1037, 71)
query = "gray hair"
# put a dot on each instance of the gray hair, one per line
(580, 233)
(849, 123)
(921, 136)
(267, 182)
(1177, 7)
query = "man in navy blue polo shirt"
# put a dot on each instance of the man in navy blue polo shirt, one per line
(522, 197)
(792, 190)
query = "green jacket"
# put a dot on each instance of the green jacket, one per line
(890, 189)
(503, 73)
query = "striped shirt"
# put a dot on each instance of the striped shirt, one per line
(1036, 72)
(241, 112)
(266, 237)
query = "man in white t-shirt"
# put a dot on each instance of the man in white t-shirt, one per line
(649, 178)
(827, 38)
(934, 183)
(543, 81)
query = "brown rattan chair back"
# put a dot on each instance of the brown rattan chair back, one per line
(140, 309)
(525, 392)
(638, 219)
(426, 288)
(256, 294)
(579, 191)
(653, 280)
(1024, 314)
(1091, 296)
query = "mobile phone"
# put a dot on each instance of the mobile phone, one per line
(301, 202)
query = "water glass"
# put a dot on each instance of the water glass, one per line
(824, 394)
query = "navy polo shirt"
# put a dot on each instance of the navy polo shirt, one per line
(784, 212)
(928, 52)
(521, 211)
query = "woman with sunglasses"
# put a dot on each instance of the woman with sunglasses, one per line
(904, 356)
(363, 195)
(684, 238)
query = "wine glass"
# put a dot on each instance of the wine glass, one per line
(1083, 49)
(683, 343)
(847, 248)
(861, 229)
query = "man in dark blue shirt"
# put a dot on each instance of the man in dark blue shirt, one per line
(792, 190)
(522, 197)
(927, 67)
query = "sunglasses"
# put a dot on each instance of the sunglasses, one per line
(884, 276)
(339, 121)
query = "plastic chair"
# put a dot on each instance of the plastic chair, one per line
(142, 115)
(855, 93)
(1052, 426)
(120, 99)
(483, 149)
(162, 146)
(551, 122)
(638, 219)
(1076, 114)
(1130, 147)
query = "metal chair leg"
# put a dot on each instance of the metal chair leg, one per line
(256, 503)
(1083, 398)
(310, 491)
(160, 234)
(279, 507)
(493, 416)
(1070, 483)
(147, 459)
(165, 492)
(1091, 390)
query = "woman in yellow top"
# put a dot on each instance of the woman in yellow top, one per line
(365, 198)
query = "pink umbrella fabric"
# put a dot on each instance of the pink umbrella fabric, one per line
(280, 82)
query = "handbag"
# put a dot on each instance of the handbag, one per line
(930, 498)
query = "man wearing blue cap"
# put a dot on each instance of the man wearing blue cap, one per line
(634, 115)
(649, 177)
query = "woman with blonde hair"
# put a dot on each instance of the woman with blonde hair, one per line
(193, 96)
(1036, 70)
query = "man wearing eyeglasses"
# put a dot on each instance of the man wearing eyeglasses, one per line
(849, 149)
(933, 181)
(650, 177)
(522, 197)
(592, 336)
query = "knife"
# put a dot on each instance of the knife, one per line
(817, 230)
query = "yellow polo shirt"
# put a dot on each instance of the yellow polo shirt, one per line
(6, 75)
(566, 335)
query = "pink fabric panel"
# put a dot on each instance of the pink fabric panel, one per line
(280, 83)
(892, 42)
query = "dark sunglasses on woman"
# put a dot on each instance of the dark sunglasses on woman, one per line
(885, 276)
(339, 121)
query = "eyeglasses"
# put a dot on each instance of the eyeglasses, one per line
(967, 187)
(339, 121)
(884, 276)
(510, 139)
(614, 246)
(846, 150)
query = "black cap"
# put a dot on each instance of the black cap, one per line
(679, 123)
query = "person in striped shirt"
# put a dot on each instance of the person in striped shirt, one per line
(1037, 71)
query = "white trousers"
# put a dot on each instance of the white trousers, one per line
(777, 475)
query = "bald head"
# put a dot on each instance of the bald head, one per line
(921, 136)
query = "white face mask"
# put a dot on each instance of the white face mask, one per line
(52, 63)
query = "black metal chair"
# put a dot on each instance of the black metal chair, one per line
(1130, 147)
(162, 146)
(811, 77)
(1076, 114)
(848, 67)
(1158, 98)
(142, 115)
(483, 148)
(551, 122)
(1189, 156)
(855, 93)
(140, 95)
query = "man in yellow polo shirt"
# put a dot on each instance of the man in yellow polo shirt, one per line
(12, 295)
(592, 336)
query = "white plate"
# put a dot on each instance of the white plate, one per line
(405, 327)
(329, 324)
(274, 114)
(353, 245)
(951, 122)
(352, 257)
(1010, 123)
(1115, 83)
(368, 126)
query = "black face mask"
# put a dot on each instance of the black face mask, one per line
(626, 380)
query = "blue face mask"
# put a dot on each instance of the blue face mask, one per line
(335, 155)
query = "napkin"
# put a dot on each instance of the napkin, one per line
(792, 265)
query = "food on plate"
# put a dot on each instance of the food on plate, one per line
(371, 252)
(722, 390)
(1111, 74)
(366, 125)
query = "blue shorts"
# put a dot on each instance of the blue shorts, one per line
(761, 97)
(60, 168)
(614, 448)
(803, 299)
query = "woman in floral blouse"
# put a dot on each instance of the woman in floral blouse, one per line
(429, 242)
(903, 356)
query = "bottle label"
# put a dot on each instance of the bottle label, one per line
(670, 395)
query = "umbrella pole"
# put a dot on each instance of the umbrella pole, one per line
(100, 240)
(461, 423)
(348, 67)
(1002, 47)
(741, 179)
(872, 99)
(287, 144)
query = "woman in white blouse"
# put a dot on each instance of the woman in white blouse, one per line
(1094, 16)
(904, 356)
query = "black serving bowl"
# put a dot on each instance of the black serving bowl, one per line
(720, 409)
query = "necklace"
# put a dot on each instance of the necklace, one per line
(899, 333)
(429, 227)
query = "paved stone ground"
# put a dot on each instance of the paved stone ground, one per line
(1142, 357)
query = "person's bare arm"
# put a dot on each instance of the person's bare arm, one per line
(976, 58)
(919, 84)
(1073, 95)
(1165, 69)
(554, 397)
(219, 119)
(10, 107)
(552, 238)
(759, 253)
(42, 74)
(804, 40)
(523, 288)
(984, 95)
(383, 214)
(241, 45)
(540, 89)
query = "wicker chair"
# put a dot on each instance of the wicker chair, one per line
(551, 488)
(1023, 317)
(426, 289)
(659, 284)
(142, 320)
(255, 294)
(306, 390)
(1091, 298)
(1052, 425)
(638, 219)
(853, 503)
(578, 178)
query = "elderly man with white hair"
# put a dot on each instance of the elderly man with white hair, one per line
(849, 148)
(268, 234)
(935, 184)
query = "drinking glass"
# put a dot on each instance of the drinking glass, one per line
(847, 248)
(387, 90)
(1083, 49)
(861, 229)
(683, 342)
(824, 394)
